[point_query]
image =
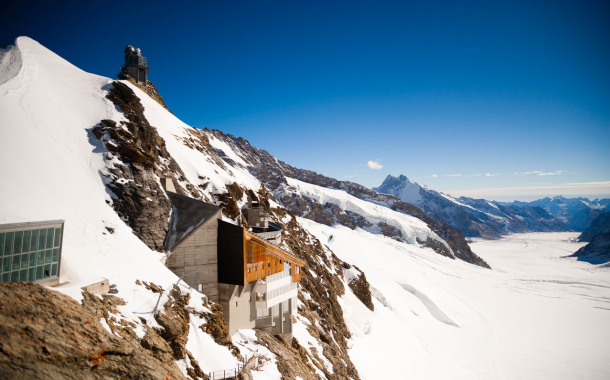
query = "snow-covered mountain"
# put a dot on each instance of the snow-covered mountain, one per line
(387, 292)
(473, 217)
(578, 213)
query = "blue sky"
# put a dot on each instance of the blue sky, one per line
(464, 97)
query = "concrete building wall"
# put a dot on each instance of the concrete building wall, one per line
(199, 253)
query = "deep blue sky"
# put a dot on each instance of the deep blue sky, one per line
(439, 88)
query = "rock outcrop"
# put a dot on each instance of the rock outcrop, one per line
(47, 335)
(598, 236)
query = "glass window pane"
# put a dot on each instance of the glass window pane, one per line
(1, 244)
(39, 273)
(40, 259)
(55, 255)
(57, 236)
(18, 240)
(24, 275)
(54, 270)
(48, 256)
(32, 274)
(50, 237)
(6, 277)
(16, 262)
(42, 238)
(24, 260)
(6, 265)
(15, 276)
(32, 259)
(26, 241)
(8, 243)
(47, 271)
(34, 245)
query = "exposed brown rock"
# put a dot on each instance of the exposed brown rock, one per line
(291, 359)
(219, 330)
(47, 335)
(360, 286)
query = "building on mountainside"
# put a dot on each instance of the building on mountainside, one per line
(135, 65)
(31, 252)
(254, 280)
(258, 219)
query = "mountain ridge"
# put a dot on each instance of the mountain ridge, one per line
(473, 217)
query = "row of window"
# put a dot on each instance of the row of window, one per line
(31, 274)
(27, 241)
(28, 260)
(263, 266)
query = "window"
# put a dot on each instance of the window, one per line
(30, 254)
(235, 303)
(269, 265)
(274, 263)
(200, 288)
(248, 270)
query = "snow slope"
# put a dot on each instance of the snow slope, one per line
(537, 315)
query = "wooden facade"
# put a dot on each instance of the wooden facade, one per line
(264, 259)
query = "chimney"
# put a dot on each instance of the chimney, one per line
(168, 184)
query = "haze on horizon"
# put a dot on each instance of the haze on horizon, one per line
(497, 100)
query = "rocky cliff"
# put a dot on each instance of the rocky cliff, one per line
(598, 236)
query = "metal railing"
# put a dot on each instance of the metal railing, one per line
(230, 373)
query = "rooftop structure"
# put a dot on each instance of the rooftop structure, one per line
(254, 280)
(135, 65)
(258, 219)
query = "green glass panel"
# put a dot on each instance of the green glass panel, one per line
(26, 241)
(24, 260)
(1, 244)
(48, 256)
(32, 274)
(55, 255)
(57, 236)
(54, 270)
(38, 273)
(16, 262)
(40, 258)
(34, 243)
(32, 259)
(8, 243)
(42, 238)
(50, 237)
(6, 277)
(23, 275)
(18, 242)
(6, 265)
(15, 276)
(47, 271)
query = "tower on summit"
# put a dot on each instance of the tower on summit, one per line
(135, 65)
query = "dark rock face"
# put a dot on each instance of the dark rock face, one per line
(601, 225)
(472, 217)
(273, 174)
(598, 234)
(148, 88)
(140, 200)
(47, 335)
(360, 286)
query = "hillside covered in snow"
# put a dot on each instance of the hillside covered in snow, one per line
(388, 291)
(473, 217)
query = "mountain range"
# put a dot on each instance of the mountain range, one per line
(473, 217)
(578, 213)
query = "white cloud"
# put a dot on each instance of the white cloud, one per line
(349, 176)
(452, 175)
(374, 165)
(490, 175)
(556, 172)
(434, 176)
(534, 172)
(477, 175)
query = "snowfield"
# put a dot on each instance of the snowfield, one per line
(537, 315)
